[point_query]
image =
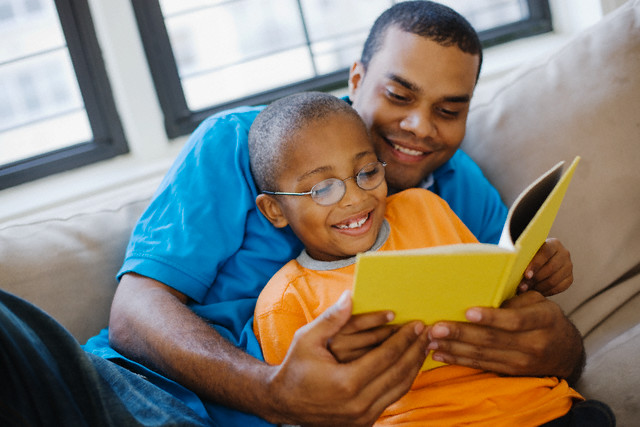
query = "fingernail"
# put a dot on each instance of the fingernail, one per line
(529, 274)
(344, 299)
(437, 357)
(390, 316)
(440, 331)
(418, 328)
(474, 315)
(432, 345)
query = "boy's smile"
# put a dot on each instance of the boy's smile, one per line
(334, 147)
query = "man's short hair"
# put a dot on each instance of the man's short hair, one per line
(274, 131)
(427, 19)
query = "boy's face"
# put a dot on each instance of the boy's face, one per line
(337, 147)
(414, 97)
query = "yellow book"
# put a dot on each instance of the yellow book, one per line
(441, 283)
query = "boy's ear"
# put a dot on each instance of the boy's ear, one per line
(356, 74)
(270, 208)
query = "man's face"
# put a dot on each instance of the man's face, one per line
(414, 97)
(338, 147)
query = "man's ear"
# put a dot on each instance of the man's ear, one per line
(356, 74)
(271, 209)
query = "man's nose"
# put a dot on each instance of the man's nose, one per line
(419, 122)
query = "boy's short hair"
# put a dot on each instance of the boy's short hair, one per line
(274, 131)
(427, 19)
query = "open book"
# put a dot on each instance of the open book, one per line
(441, 283)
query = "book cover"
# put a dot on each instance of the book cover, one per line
(442, 282)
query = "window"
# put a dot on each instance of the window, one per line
(208, 55)
(57, 112)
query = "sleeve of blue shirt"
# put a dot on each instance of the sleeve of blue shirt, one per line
(202, 233)
(461, 183)
(203, 236)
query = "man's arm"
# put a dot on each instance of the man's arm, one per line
(529, 335)
(151, 323)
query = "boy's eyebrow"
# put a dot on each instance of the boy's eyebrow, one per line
(463, 99)
(313, 172)
(328, 168)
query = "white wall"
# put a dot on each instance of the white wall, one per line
(142, 119)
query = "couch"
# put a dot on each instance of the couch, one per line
(583, 100)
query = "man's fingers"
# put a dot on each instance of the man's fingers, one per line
(521, 313)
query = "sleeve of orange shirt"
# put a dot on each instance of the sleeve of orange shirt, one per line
(279, 314)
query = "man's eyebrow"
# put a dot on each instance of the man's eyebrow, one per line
(403, 82)
(462, 99)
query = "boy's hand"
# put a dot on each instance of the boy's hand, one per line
(362, 333)
(550, 271)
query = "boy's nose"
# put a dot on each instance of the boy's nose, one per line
(353, 193)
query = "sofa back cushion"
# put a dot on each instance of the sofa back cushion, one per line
(583, 100)
(65, 263)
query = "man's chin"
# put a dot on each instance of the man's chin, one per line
(399, 185)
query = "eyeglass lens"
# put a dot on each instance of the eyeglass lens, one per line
(332, 190)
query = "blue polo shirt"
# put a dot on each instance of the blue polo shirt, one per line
(203, 235)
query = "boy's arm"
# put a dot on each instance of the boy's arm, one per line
(151, 323)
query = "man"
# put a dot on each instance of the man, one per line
(201, 253)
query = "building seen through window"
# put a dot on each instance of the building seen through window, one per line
(57, 111)
(42, 108)
(230, 49)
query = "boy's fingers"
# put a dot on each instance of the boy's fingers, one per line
(394, 365)
(331, 321)
(366, 321)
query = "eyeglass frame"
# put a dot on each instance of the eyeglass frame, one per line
(342, 181)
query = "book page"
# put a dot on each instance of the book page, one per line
(527, 204)
(540, 205)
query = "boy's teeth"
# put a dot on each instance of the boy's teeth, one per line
(355, 224)
(407, 150)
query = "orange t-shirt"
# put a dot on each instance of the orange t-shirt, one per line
(449, 395)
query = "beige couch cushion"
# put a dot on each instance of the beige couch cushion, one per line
(65, 261)
(583, 100)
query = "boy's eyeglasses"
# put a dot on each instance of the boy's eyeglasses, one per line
(332, 190)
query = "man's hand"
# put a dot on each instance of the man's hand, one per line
(528, 336)
(550, 271)
(310, 381)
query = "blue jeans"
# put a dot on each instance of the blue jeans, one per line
(590, 413)
(48, 379)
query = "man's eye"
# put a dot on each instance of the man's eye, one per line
(449, 113)
(396, 97)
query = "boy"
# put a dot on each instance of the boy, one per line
(315, 165)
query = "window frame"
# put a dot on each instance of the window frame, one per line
(180, 120)
(108, 135)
